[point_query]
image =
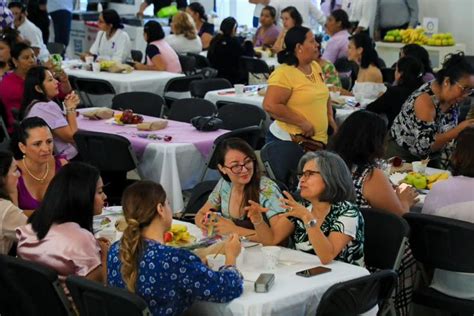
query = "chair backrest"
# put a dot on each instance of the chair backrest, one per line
(201, 61)
(145, 103)
(250, 134)
(40, 284)
(385, 238)
(108, 152)
(184, 110)
(93, 298)
(255, 65)
(198, 198)
(56, 48)
(442, 242)
(72, 81)
(280, 160)
(188, 63)
(178, 85)
(4, 136)
(343, 65)
(94, 87)
(346, 82)
(238, 115)
(357, 296)
(388, 75)
(200, 88)
(137, 55)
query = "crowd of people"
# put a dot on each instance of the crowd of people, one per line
(48, 197)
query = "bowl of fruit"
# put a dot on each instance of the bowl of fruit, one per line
(127, 117)
(421, 181)
(178, 236)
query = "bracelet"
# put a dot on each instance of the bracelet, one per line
(72, 110)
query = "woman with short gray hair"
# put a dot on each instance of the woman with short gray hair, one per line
(332, 226)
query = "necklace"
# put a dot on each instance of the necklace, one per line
(309, 76)
(33, 176)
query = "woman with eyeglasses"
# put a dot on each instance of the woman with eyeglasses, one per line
(332, 227)
(242, 186)
(428, 120)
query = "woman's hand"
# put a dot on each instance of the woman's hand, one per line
(104, 245)
(295, 209)
(254, 212)
(232, 247)
(139, 66)
(307, 128)
(71, 101)
(407, 195)
(465, 124)
(224, 226)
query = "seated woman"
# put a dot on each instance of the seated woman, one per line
(205, 29)
(111, 43)
(330, 74)
(290, 17)
(297, 97)
(8, 39)
(41, 90)
(408, 73)
(141, 257)
(64, 218)
(420, 53)
(369, 84)
(337, 26)
(13, 83)
(267, 33)
(332, 226)
(225, 51)
(184, 38)
(242, 182)
(37, 164)
(159, 54)
(360, 150)
(428, 120)
(453, 198)
(10, 215)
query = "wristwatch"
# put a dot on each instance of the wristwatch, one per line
(311, 223)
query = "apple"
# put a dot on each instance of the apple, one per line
(168, 237)
(420, 182)
(409, 179)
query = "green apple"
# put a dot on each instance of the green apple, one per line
(409, 179)
(398, 38)
(451, 42)
(420, 182)
(445, 42)
(389, 38)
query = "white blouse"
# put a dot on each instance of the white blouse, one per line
(182, 45)
(367, 92)
(117, 48)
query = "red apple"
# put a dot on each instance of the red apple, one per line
(168, 237)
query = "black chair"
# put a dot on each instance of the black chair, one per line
(40, 284)
(145, 103)
(93, 298)
(255, 66)
(201, 61)
(346, 82)
(357, 296)
(442, 243)
(137, 55)
(184, 110)
(250, 134)
(178, 85)
(56, 48)
(280, 160)
(188, 64)
(4, 136)
(238, 115)
(388, 75)
(198, 198)
(94, 87)
(72, 81)
(347, 67)
(112, 155)
(200, 88)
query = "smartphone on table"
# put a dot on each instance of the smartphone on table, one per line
(313, 271)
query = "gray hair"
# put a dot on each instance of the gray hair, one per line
(335, 174)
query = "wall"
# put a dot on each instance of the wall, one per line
(455, 16)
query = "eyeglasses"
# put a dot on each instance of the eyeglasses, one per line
(306, 174)
(465, 90)
(237, 168)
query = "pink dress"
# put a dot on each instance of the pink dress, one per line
(166, 52)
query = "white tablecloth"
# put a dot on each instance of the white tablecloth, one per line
(137, 80)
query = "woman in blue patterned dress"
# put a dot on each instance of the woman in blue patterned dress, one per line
(242, 185)
(168, 279)
(332, 226)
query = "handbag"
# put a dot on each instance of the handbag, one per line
(207, 123)
(307, 143)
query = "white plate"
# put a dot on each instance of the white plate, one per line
(113, 122)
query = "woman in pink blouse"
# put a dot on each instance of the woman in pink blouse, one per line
(64, 219)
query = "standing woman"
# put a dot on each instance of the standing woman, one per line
(337, 26)
(160, 56)
(268, 32)
(297, 96)
(428, 120)
(111, 42)
(290, 17)
(205, 29)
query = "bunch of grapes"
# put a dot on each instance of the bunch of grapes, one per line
(129, 118)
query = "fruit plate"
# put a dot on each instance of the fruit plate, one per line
(181, 243)
(397, 177)
(114, 122)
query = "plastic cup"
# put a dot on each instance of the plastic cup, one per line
(89, 59)
(108, 234)
(239, 89)
(215, 262)
(418, 166)
(271, 256)
(96, 67)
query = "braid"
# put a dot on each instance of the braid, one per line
(130, 250)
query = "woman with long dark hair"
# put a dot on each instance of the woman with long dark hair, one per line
(419, 52)
(337, 26)
(290, 17)
(204, 28)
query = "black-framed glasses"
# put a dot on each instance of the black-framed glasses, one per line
(465, 90)
(237, 168)
(306, 174)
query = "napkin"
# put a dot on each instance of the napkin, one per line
(152, 126)
(99, 114)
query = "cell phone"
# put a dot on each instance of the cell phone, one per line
(264, 282)
(313, 271)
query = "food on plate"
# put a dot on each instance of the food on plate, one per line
(128, 117)
(106, 64)
(442, 39)
(178, 235)
(121, 224)
(421, 181)
(105, 221)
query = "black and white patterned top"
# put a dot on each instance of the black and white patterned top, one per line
(344, 217)
(359, 175)
(416, 135)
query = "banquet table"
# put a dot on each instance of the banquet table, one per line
(176, 165)
(290, 294)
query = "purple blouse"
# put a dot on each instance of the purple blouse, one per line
(336, 47)
(25, 200)
(270, 35)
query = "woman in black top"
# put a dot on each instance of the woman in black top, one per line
(408, 78)
(204, 28)
(159, 4)
(225, 51)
